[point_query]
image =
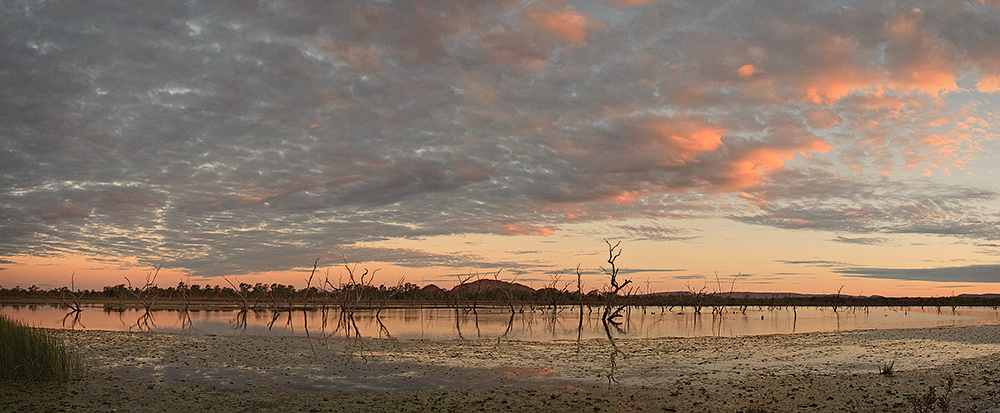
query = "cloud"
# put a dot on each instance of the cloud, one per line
(654, 231)
(820, 200)
(628, 3)
(226, 137)
(861, 240)
(813, 263)
(970, 274)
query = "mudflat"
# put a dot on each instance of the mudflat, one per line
(134, 371)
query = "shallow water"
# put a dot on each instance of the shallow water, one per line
(538, 325)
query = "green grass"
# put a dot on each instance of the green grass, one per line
(28, 353)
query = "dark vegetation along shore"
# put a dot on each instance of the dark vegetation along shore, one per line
(470, 292)
(482, 292)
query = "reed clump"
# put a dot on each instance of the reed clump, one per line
(28, 353)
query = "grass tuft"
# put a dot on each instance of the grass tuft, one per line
(887, 368)
(28, 353)
(931, 401)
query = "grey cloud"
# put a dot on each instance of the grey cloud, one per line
(654, 232)
(970, 274)
(861, 240)
(817, 199)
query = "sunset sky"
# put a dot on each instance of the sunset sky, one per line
(804, 146)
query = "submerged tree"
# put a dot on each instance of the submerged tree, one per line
(612, 311)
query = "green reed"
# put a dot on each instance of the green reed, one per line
(28, 353)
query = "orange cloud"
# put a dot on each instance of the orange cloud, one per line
(525, 230)
(477, 87)
(751, 166)
(563, 22)
(821, 119)
(625, 197)
(826, 87)
(360, 58)
(679, 141)
(989, 84)
(746, 71)
(537, 30)
(627, 3)
(65, 210)
(572, 211)
(917, 59)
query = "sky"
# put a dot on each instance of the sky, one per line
(753, 145)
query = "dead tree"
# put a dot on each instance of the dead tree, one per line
(553, 293)
(838, 298)
(727, 299)
(184, 293)
(146, 297)
(611, 311)
(505, 288)
(390, 293)
(579, 293)
(73, 303)
(241, 298)
(240, 319)
(698, 295)
(145, 294)
(305, 294)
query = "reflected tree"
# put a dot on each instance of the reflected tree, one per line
(74, 318)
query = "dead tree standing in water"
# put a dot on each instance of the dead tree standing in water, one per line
(611, 311)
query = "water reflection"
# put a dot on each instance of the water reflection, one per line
(74, 317)
(565, 323)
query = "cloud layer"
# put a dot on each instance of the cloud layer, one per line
(225, 137)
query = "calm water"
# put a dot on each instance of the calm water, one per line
(446, 324)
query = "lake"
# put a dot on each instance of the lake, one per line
(496, 322)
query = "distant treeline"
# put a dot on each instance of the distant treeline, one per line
(484, 292)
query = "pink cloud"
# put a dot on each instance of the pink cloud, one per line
(917, 57)
(524, 229)
(562, 22)
(64, 210)
(537, 29)
(749, 167)
(677, 141)
(989, 83)
(746, 70)
(361, 58)
(821, 119)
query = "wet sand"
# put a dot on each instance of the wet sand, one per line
(776, 373)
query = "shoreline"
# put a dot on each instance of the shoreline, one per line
(776, 373)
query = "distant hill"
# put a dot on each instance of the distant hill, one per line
(979, 295)
(488, 284)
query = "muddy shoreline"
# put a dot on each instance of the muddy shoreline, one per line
(776, 373)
